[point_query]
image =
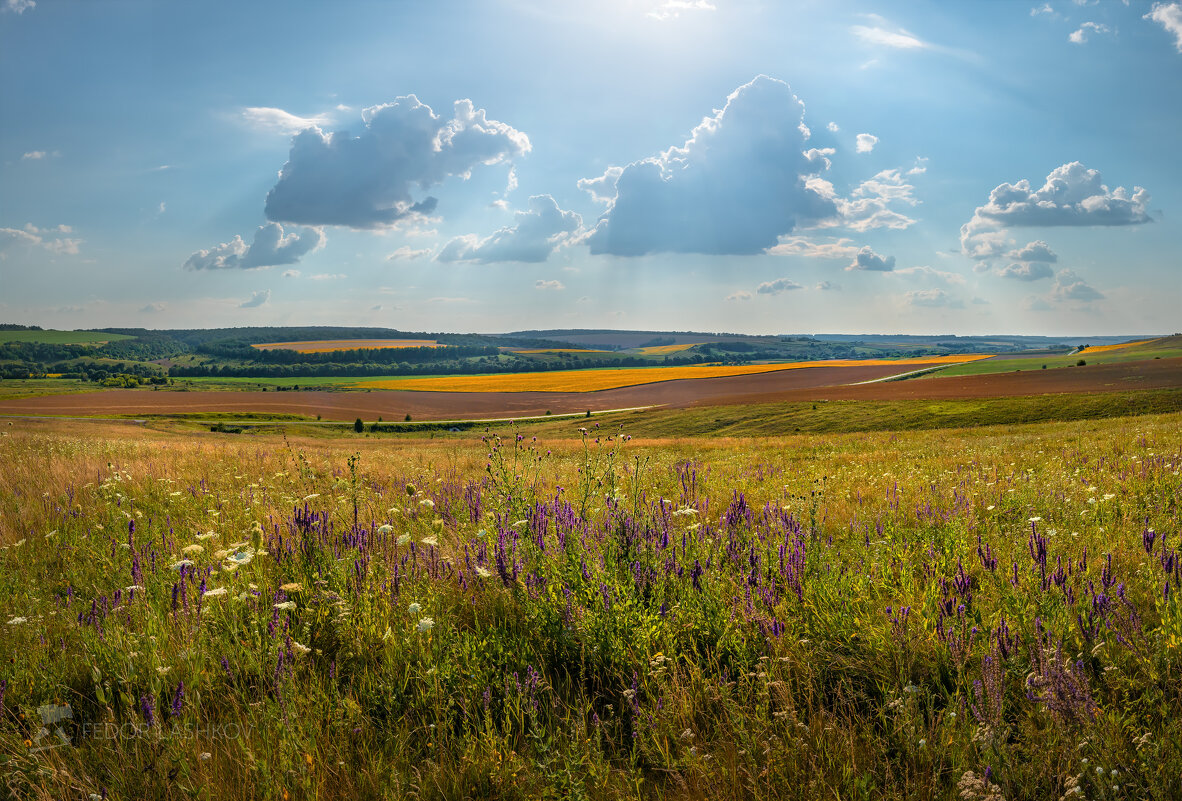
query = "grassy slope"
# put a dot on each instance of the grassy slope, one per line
(601, 671)
(1164, 348)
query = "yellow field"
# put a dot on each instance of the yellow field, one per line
(560, 350)
(660, 350)
(1121, 346)
(328, 345)
(594, 380)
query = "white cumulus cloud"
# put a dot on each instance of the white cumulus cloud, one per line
(733, 187)
(1080, 35)
(537, 233)
(1169, 16)
(18, 6)
(778, 286)
(867, 259)
(554, 285)
(369, 180)
(1069, 286)
(271, 247)
(865, 143)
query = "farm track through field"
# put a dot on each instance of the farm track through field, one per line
(822, 383)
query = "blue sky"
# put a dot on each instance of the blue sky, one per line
(719, 165)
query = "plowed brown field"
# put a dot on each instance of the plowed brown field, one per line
(822, 383)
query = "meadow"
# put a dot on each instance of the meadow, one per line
(962, 613)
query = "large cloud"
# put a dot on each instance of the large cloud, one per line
(536, 235)
(1026, 271)
(734, 187)
(1073, 195)
(367, 181)
(271, 247)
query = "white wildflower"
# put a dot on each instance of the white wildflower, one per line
(286, 605)
(16, 621)
(386, 529)
(192, 549)
(218, 592)
(180, 564)
(426, 624)
(432, 541)
(414, 609)
(483, 572)
(291, 587)
(299, 649)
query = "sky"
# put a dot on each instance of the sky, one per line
(710, 165)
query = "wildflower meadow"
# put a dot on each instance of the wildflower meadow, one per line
(955, 614)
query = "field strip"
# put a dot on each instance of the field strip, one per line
(330, 345)
(614, 378)
(898, 376)
(249, 422)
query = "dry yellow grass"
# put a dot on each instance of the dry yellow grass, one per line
(594, 380)
(328, 345)
(660, 350)
(1121, 346)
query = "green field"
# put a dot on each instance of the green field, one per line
(53, 337)
(1165, 348)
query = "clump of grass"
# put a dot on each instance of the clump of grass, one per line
(922, 615)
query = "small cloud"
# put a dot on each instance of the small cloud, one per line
(407, 253)
(1034, 251)
(1169, 16)
(778, 286)
(260, 298)
(538, 233)
(551, 285)
(18, 6)
(276, 120)
(291, 273)
(921, 166)
(1045, 8)
(827, 286)
(376, 307)
(153, 308)
(742, 294)
(933, 298)
(32, 236)
(867, 259)
(897, 38)
(448, 300)
(1080, 36)
(865, 143)
(833, 128)
(803, 246)
(1027, 271)
(327, 277)
(672, 9)
(923, 271)
(271, 247)
(34, 155)
(163, 207)
(1069, 286)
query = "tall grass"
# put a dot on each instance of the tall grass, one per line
(955, 614)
